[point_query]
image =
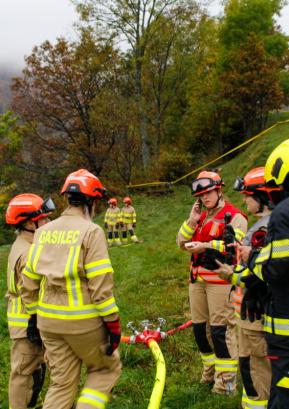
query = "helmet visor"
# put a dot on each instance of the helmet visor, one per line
(48, 206)
(239, 184)
(201, 184)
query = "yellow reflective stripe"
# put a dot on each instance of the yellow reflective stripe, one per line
(186, 231)
(35, 256)
(28, 273)
(278, 326)
(284, 382)
(208, 359)
(94, 398)
(30, 268)
(248, 403)
(236, 277)
(98, 267)
(42, 286)
(239, 234)
(218, 245)
(275, 249)
(73, 284)
(226, 365)
(17, 320)
(12, 287)
(258, 271)
(66, 312)
(31, 308)
(107, 307)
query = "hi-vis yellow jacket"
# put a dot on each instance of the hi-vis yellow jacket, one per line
(68, 278)
(16, 315)
(128, 215)
(112, 216)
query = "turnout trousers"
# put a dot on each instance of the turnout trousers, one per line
(255, 368)
(27, 374)
(214, 327)
(279, 394)
(65, 354)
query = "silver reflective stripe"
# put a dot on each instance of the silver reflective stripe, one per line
(71, 276)
(96, 268)
(93, 397)
(14, 319)
(65, 312)
(108, 307)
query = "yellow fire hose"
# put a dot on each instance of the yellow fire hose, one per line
(160, 377)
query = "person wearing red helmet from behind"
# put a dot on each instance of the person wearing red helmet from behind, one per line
(68, 283)
(128, 221)
(26, 212)
(255, 368)
(112, 221)
(214, 324)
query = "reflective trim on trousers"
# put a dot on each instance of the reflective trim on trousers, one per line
(208, 359)
(94, 398)
(226, 365)
(283, 383)
(248, 403)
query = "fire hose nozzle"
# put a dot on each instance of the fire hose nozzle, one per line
(132, 328)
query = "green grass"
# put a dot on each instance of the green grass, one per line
(151, 281)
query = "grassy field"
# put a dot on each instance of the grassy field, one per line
(151, 281)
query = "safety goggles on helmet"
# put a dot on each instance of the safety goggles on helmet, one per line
(47, 207)
(240, 186)
(204, 184)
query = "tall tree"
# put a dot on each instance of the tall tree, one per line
(132, 20)
(67, 98)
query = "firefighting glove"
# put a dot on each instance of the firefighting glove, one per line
(134, 225)
(32, 332)
(114, 334)
(254, 298)
(105, 225)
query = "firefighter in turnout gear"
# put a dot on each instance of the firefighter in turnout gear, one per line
(255, 368)
(214, 323)
(271, 265)
(112, 222)
(68, 283)
(26, 212)
(128, 221)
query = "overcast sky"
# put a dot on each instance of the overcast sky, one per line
(25, 23)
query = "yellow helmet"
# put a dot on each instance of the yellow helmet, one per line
(277, 165)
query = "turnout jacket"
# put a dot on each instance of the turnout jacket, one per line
(112, 216)
(128, 215)
(16, 314)
(210, 230)
(272, 266)
(68, 278)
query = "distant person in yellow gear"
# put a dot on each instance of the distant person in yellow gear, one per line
(128, 221)
(112, 222)
(26, 212)
(68, 285)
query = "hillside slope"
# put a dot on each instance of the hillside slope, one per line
(151, 281)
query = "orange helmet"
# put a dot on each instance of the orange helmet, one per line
(205, 182)
(28, 206)
(254, 184)
(113, 201)
(85, 183)
(127, 200)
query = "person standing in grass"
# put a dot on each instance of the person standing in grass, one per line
(128, 221)
(26, 212)
(112, 222)
(214, 324)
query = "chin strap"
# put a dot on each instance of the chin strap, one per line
(218, 200)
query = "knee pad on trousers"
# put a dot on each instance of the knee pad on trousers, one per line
(244, 363)
(124, 234)
(38, 381)
(219, 340)
(131, 232)
(116, 234)
(201, 337)
(110, 234)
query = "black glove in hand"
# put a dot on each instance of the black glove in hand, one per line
(33, 334)
(114, 334)
(254, 298)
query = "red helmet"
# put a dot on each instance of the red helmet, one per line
(84, 182)
(113, 201)
(127, 200)
(254, 184)
(205, 182)
(28, 206)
